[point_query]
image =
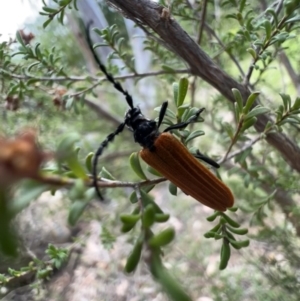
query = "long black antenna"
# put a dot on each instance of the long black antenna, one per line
(109, 77)
(120, 128)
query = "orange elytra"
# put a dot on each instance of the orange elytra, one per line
(173, 160)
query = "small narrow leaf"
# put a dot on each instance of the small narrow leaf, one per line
(148, 216)
(183, 87)
(161, 217)
(250, 101)
(88, 162)
(134, 256)
(76, 210)
(130, 219)
(225, 255)
(163, 238)
(249, 123)
(240, 244)
(172, 188)
(230, 221)
(153, 171)
(238, 98)
(268, 29)
(257, 111)
(76, 166)
(237, 114)
(286, 99)
(213, 216)
(296, 104)
(238, 231)
(194, 135)
(175, 92)
(135, 164)
(106, 174)
(252, 52)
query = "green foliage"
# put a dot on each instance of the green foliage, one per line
(42, 270)
(224, 230)
(58, 11)
(58, 256)
(111, 38)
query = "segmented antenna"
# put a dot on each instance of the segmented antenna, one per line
(109, 77)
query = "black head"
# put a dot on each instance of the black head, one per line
(144, 130)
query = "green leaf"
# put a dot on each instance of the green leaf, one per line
(135, 164)
(146, 189)
(240, 244)
(252, 52)
(256, 111)
(296, 104)
(230, 221)
(248, 123)
(49, 9)
(8, 238)
(76, 167)
(89, 162)
(153, 171)
(76, 210)
(163, 238)
(286, 99)
(46, 23)
(65, 145)
(161, 217)
(175, 92)
(216, 229)
(130, 219)
(241, 157)
(182, 90)
(147, 199)
(29, 191)
(77, 192)
(61, 16)
(30, 67)
(225, 255)
(250, 101)
(238, 231)
(279, 113)
(292, 20)
(127, 227)
(209, 234)
(106, 174)
(168, 283)
(19, 39)
(238, 98)
(237, 114)
(242, 5)
(172, 188)
(229, 130)
(213, 216)
(273, 13)
(194, 135)
(268, 29)
(134, 257)
(70, 102)
(148, 216)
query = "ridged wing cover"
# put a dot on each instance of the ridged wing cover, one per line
(173, 160)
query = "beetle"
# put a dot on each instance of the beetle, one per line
(165, 153)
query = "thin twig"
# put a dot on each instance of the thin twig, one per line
(104, 183)
(241, 150)
(89, 77)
